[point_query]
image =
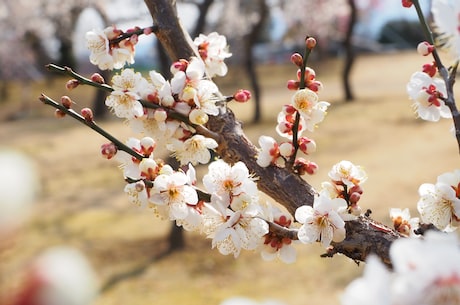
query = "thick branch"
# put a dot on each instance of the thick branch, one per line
(363, 236)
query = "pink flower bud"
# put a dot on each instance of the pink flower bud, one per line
(303, 166)
(285, 127)
(242, 96)
(310, 42)
(286, 149)
(289, 109)
(310, 74)
(356, 189)
(312, 168)
(108, 150)
(297, 59)
(306, 145)
(97, 78)
(315, 86)
(148, 30)
(87, 113)
(354, 197)
(72, 84)
(407, 3)
(58, 113)
(180, 65)
(424, 48)
(293, 85)
(66, 101)
(148, 145)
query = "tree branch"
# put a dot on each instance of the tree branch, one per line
(364, 235)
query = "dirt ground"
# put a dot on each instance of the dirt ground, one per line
(82, 203)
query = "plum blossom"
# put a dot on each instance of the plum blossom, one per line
(425, 271)
(269, 152)
(106, 54)
(275, 246)
(172, 191)
(439, 203)
(447, 23)
(193, 150)
(321, 222)
(426, 92)
(124, 99)
(305, 101)
(232, 231)
(346, 173)
(230, 184)
(213, 51)
(402, 221)
(373, 286)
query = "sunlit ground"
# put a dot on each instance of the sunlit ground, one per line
(82, 201)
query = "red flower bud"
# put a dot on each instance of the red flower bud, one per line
(293, 85)
(108, 150)
(242, 96)
(297, 59)
(58, 113)
(66, 101)
(87, 113)
(310, 42)
(407, 3)
(97, 78)
(72, 84)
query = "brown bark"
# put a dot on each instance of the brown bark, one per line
(364, 235)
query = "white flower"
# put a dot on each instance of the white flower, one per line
(372, 288)
(172, 191)
(193, 150)
(227, 182)
(321, 222)
(347, 173)
(439, 203)
(269, 152)
(424, 91)
(232, 231)
(402, 221)
(137, 193)
(447, 23)
(124, 99)
(213, 50)
(19, 185)
(63, 276)
(275, 246)
(129, 164)
(105, 54)
(305, 101)
(427, 270)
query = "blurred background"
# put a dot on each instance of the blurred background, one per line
(364, 58)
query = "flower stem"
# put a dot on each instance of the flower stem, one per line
(295, 126)
(91, 124)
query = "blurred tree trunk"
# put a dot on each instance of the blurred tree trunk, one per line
(249, 62)
(349, 52)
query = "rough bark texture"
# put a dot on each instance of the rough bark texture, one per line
(364, 235)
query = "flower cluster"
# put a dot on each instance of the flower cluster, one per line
(335, 204)
(304, 112)
(425, 271)
(112, 48)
